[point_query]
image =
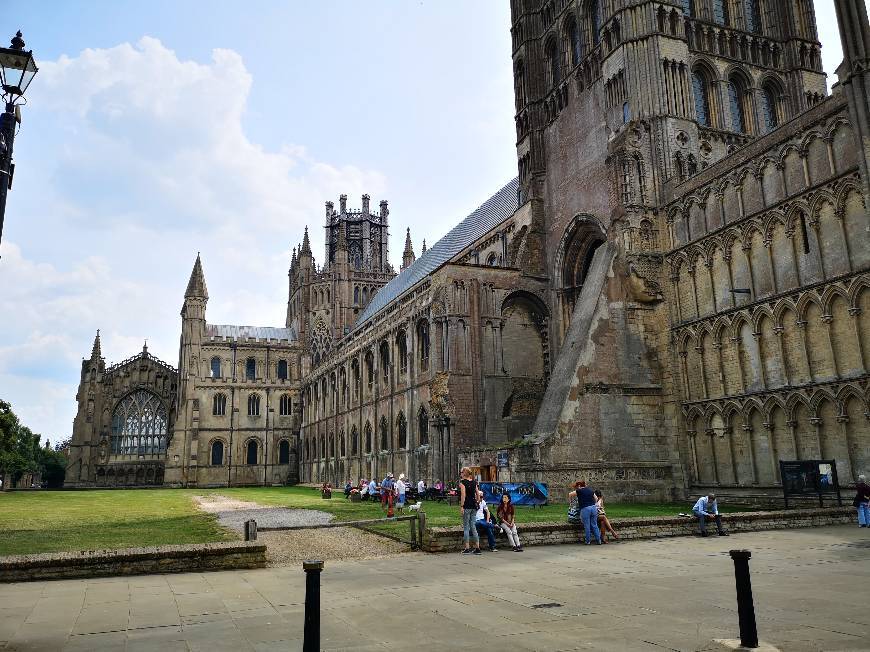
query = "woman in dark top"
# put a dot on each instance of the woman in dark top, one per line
(862, 502)
(468, 510)
(588, 511)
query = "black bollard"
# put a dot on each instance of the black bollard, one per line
(311, 641)
(745, 606)
(251, 530)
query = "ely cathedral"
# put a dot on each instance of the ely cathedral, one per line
(671, 296)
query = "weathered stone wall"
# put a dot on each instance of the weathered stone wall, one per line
(133, 561)
(449, 539)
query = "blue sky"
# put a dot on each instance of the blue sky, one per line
(156, 130)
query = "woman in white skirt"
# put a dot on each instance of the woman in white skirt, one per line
(508, 524)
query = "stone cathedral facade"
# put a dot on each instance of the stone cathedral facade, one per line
(673, 294)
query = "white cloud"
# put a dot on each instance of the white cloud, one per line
(150, 164)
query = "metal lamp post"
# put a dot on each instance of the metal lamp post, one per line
(17, 69)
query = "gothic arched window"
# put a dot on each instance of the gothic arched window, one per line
(341, 445)
(423, 344)
(254, 405)
(574, 43)
(752, 15)
(737, 100)
(701, 89)
(251, 452)
(219, 405)
(551, 51)
(594, 12)
(720, 12)
(139, 425)
(770, 106)
(519, 86)
(283, 452)
(423, 427)
(368, 437)
(402, 427)
(250, 368)
(285, 405)
(402, 346)
(217, 453)
(354, 441)
(282, 370)
(216, 367)
(385, 436)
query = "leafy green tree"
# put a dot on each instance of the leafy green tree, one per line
(20, 452)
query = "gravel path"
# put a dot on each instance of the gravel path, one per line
(289, 548)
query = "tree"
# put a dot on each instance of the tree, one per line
(20, 452)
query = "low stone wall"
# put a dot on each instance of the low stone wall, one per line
(449, 539)
(134, 561)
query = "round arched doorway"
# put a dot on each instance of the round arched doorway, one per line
(573, 259)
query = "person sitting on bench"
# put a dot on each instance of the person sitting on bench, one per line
(707, 508)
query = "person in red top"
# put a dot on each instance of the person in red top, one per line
(508, 524)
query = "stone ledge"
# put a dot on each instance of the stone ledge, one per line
(445, 539)
(133, 561)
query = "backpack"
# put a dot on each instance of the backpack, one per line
(574, 511)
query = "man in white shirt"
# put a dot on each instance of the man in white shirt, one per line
(707, 508)
(401, 489)
(421, 489)
(484, 521)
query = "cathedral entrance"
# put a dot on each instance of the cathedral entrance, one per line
(574, 257)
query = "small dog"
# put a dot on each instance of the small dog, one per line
(416, 506)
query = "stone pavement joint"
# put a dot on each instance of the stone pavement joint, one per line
(672, 594)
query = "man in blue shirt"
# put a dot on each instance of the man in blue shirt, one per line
(707, 508)
(373, 489)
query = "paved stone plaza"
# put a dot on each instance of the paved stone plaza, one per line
(673, 594)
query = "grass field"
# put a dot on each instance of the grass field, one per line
(48, 521)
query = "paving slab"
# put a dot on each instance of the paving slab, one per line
(675, 594)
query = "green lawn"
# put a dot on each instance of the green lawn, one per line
(51, 521)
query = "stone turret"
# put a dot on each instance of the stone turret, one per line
(96, 351)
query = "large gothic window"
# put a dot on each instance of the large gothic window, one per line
(385, 437)
(217, 453)
(139, 425)
(286, 405)
(368, 437)
(402, 346)
(321, 341)
(354, 441)
(250, 368)
(574, 43)
(701, 88)
(551, 51)
(423, 344)
(215, 367)
(254, 405)
(595, 20)
(251, 451)
(282, 370)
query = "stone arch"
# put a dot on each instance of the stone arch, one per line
(573, 258)
(853, 213)
(525, 339)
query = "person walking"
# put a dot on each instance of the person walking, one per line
(468, 511)
(862, 501)
(588, 511)
(604, 525)
(508, 523)
(388, 487)
(706, 509)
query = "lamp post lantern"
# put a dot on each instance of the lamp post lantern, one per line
(17, 69)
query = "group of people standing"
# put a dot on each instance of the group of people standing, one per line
(476, 514)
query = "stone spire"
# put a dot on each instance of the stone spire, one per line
(293, 259)
(196, 285)
(306, 244)
(96, 352)
(423, 251)
(408, 256)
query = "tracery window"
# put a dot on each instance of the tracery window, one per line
(254, 405)
(553, 62)
(216, 367)
(737, 104)
(219, 405)
(285, 405)
(282, 370)
(250, 368)
(139, 425)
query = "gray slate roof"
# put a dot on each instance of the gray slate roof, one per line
(491, 213)
(249, 332)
